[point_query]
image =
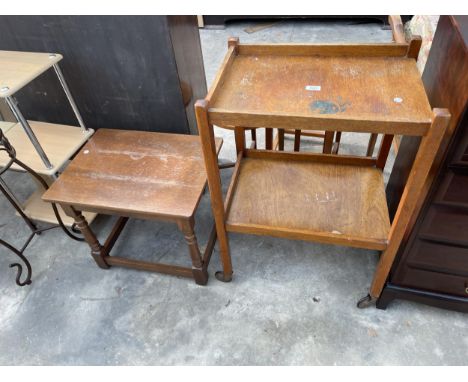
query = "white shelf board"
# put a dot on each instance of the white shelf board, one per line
(38, 210)
(17, 69)
(59, 142)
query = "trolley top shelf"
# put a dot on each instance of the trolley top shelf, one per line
(368, 88)
(17, 69)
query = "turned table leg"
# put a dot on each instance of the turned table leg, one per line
(97, 250)
(199, 273)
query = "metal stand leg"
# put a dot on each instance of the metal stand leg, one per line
(8, 191)
(10, 151)
(15, 203)
(30, 133)
(61, 78)
(19, 267)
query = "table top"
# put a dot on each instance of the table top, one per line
(17, 69)
(134, 173)
(337, 89)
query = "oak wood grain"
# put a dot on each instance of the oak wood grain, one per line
(221, 74)
(140, 173)
(410, 198)
(229, 119)
(331, 203)
(325, 198)
(414, 47)
(312, 157)
(208, 144)
(371, 94)
(295, 49)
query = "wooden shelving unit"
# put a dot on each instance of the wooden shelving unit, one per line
(44, 147)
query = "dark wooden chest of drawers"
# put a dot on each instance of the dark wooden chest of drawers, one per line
(432, 265)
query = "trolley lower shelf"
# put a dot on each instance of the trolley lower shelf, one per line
(323, 202)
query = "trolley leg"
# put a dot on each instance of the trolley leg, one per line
(366, 301)
(409, 201)
(214, 184)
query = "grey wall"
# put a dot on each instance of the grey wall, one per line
(121, 70)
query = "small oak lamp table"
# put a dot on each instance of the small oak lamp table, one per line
(145, 175)
(337, 199)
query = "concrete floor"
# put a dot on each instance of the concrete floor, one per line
(290, 302)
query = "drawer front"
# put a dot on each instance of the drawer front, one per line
(445, 225)
(433, 281)
(453, 190)
(462, 154)
(464, 157)
(440, 258)
(460, 157)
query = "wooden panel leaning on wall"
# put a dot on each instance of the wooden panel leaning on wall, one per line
(149, 83)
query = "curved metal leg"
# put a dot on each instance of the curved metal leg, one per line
(54, 206)
(19, 272)
(5, 191)
(6, 146)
